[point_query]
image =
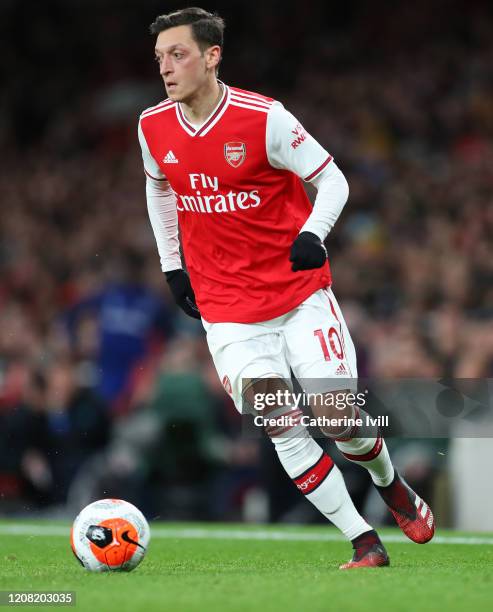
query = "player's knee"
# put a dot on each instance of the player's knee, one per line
(262, 395)
(269, 398)
(335, 413)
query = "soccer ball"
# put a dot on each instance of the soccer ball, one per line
(110, 535)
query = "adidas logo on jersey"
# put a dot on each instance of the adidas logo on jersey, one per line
(170, 158)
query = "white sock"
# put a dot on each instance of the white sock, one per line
(372, 454)
(316, 476)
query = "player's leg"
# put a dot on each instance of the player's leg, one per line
(320, 350)
(321, 353)
(323, 485)
(311, 469)
(411, 513)
(258, 357)
(250, 361)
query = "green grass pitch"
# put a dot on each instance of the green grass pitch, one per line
(216, 568)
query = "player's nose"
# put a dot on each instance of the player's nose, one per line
(166, 66)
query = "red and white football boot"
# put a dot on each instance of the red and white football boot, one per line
(412, 514)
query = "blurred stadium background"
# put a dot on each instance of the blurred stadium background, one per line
(105, 388)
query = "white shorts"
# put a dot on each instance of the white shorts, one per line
(312, 340)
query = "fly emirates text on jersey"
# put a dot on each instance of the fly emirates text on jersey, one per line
(217, 202)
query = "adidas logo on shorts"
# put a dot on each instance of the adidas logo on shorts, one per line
(341, 370)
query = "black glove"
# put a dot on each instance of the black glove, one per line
(307, 252)
(179, 283)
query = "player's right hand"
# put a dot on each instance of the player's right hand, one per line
(181, 288)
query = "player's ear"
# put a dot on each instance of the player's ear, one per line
(212, 56)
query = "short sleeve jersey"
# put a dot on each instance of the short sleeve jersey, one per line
(240, 201)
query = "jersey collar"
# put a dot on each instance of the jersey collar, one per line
(211, 120)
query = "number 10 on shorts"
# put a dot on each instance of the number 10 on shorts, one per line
(335, 343)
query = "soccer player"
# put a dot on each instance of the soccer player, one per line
(226, 166)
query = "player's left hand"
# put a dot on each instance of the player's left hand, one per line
(307, 252)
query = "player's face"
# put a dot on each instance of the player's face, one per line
(182, 65)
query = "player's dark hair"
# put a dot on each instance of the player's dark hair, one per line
(207, 28)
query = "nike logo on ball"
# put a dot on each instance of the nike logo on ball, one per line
(127, 538)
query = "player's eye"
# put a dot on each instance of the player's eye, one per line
(178, 55)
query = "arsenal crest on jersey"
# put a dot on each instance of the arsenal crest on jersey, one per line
(235, 153)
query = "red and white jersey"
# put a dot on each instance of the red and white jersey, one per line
(240, 201)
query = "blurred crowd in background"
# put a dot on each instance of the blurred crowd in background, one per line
(106, 389)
